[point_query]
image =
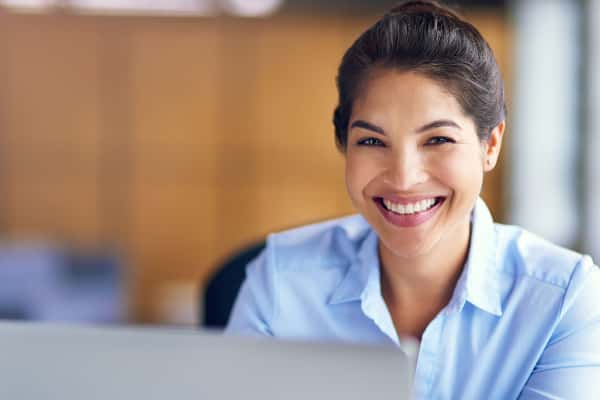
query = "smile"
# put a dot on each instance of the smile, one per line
(409, 208)
(408, 213)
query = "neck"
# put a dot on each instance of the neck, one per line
(428, 280)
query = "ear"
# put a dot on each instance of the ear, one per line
(491, 148)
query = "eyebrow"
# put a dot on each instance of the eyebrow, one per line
(440, 123)
(365, 125)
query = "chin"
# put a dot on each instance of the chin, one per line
(408, 248)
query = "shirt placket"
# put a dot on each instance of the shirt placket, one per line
(428, 361)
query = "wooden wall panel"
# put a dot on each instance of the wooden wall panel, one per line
(238, 124)
(174, 108)
(298, 165)
(174, 134)
(5, 209)
(287, 204)
(116, 145)
(52, 120)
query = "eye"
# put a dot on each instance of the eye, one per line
(438, 140)
(370, 142)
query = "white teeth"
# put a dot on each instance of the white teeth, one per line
(411, 208)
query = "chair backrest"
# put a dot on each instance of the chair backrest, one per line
(222, 289)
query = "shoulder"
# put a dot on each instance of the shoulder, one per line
(524, 254)
(326, 243)
(308, 263)
(298, 271)
(308, 259)
(552, 288)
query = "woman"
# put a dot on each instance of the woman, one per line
(499, 313)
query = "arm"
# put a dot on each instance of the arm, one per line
(569, 367)
(254, 308)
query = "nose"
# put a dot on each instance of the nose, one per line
(405, 169)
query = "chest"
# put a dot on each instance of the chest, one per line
(473, 355)
(470, 355)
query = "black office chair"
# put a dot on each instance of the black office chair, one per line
(222, 289)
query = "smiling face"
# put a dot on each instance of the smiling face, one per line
(414, 163)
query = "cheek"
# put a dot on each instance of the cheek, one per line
(460, 170)
(353, 177)
(359, 172)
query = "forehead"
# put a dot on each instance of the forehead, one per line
(409, 96)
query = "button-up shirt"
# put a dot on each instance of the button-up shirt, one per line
(523, 320)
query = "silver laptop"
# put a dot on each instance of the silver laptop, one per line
(43, 361)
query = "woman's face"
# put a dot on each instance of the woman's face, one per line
(414, 163)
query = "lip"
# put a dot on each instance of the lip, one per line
(407, 221)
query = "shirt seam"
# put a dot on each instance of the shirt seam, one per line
(564, 286)
(561, 313)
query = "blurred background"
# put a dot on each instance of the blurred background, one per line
(145, 142)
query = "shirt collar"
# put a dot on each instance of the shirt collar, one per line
(479, 283)
(362, 283)
(360, 272)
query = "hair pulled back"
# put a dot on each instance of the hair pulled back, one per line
(427, 38)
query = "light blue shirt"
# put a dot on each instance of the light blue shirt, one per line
(523, 322)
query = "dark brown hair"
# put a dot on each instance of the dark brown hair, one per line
(427, 38)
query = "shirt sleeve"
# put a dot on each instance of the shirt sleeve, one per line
(254, 307)
(569, 367)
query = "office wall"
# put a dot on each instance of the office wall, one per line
(174, 140)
